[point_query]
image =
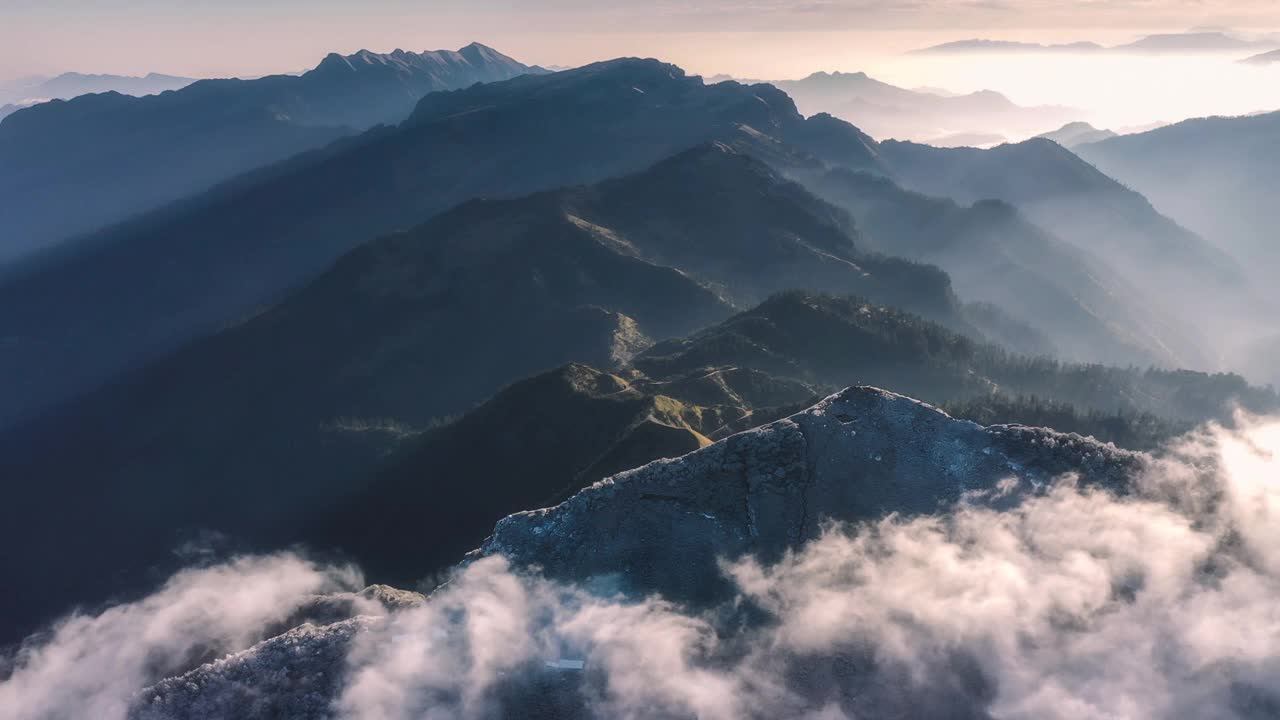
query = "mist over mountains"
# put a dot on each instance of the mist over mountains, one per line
(1193, 41)
(1077, 133)
(68, 167)
(19, 94)
(223, 254)
(886, 111)
(444, 385)
(1265, 58)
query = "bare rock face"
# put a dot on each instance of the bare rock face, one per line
(335, 607)
(294, 675)
(857, 455)
(664, 527)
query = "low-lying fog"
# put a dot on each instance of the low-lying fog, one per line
(1118, 90)
(1067, 602)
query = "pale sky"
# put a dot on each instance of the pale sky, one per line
(242, 37)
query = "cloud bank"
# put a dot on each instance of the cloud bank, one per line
(1075, 603)
(89, 666)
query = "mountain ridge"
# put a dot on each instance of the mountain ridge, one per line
(1192, 41)
(888, 111)
(1056, 188)
(109, 156)
(671, 525)
(220, 256)
(424, 323)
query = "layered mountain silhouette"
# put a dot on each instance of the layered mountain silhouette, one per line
(253, 342)
(982, 45)
(1077, 133)
(829, 342)
(128, 294)
(997, 256)
(32, 91)
(1214, 175)
(1211, 174)
(1265, 58)
(1185, 275)
(887, 111)
(277, 416)
(1193, 41)
(68, 167)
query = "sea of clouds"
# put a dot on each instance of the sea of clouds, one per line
(1162, 601)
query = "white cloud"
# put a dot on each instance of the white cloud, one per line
(1075, 604)
(89, 666)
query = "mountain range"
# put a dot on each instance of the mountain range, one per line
(459, 388)
(1265, 58)
(566, 429)
(70, 167)
(359, 368)
(424, 324)
(420, 325)
(1224, 198)
(86, 314)
(77, 316)
(1182, 273)
(886, 111)
(1077, 133)
(1213, 175)
(19, 94)
(366, 291)
(1185, 42)
(1117, 229)
(996, 255)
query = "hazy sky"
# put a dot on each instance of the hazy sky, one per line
(771, 39)
(244, 37)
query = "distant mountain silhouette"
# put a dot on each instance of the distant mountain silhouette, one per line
(980, 45)
(1211, 41)
(91, 309)
(1077, 133)
(1216, 176)
(73, 84)
(1188, 277)
(968, 139)
(68, 167)
(1265, 58)
(1185, 42)
(887, 111)
(1213, 174)
(995, 255)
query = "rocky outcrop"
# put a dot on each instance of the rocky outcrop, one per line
(294, 675)
(663, 528)
(857, 455)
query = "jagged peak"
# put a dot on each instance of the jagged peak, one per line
(481, 48)
(474, 53)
